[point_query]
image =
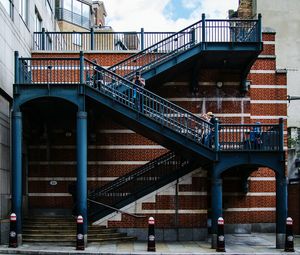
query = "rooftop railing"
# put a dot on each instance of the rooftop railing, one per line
(231, 30)
(246, 137)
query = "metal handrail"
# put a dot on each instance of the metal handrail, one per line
(117, 210)
(214, 30)
(202, 31)
(145, 103)
(133, 174)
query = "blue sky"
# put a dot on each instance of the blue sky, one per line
(163, 15)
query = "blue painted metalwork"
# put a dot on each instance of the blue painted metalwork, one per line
(82, 167)
(17, 168)
(281, 203)
(216, 201)
(105, 39)
(141, 181)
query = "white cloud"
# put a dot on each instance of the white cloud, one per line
(131, 15)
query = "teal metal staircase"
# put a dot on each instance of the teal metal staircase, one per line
(138, 183)
(201, 37)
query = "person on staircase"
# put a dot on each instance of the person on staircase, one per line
(138, 82)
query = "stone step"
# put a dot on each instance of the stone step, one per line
(73, 240)
(70, 235)
(73, 230)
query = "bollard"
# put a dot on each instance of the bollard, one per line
(220, 236)
(79, 236)
(151, 234)
(13, 239)
(289, 237)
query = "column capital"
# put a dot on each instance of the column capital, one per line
(81, 114)
(17, 114)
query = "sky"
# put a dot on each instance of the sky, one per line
(163, 15)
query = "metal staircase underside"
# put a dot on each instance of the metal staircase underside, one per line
(140, 182)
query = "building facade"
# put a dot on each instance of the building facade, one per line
(20, 19)
(287, 57)
(94, 137)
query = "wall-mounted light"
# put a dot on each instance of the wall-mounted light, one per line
(219, 84)
(68, 134)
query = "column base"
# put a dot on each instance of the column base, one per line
(280, 241)
(19, 239)
(85, 240)
(214, 238)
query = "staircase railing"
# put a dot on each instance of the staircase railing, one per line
(201, 32)
(147, 103)
(157, 172)
(59, 71)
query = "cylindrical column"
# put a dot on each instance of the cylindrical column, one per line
(281, 210)
(216, 207)
(281, 136)
(17, 169)
(259, 30)
(82, 167)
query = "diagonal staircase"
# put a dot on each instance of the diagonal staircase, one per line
(187, 44)
(139, 182)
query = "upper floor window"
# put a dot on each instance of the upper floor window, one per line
(74, 11)
(8, 6)
(38, 21)
(24, 10)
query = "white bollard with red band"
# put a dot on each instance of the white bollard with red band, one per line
(289, 236)
(220, 236)
(79, 236)
(13, 238)
(151, 234)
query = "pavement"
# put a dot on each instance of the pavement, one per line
(256, 243)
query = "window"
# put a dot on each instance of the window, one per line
(24, 10)
(38, 21)
(8, 6)
(75, 12)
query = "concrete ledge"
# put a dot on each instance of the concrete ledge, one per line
(168, 234)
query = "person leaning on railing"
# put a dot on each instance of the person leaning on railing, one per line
(138, 82)
(97, 76)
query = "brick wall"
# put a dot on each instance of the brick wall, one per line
(265, 102)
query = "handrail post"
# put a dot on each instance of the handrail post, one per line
(203, 30)
(17, 69)
(259, 30)
(216, 127)
(81, 64)
(142, 38)
(281, 138)
(43, 38)
(92, 38)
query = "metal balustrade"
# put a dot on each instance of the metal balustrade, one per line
(104, 39)
(224, 137)
(140, 181)
(204, 31)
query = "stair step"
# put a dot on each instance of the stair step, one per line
(62, 236)
(73, 240)
(73, 230)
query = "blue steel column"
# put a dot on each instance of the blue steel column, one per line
(216, 205)
(281, 209)
(82, 167)
(17, 168)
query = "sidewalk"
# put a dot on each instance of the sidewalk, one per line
(256, 243)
